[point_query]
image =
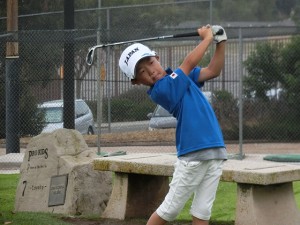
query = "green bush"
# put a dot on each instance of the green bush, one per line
(273, 120)
(134, 105)
(226, 109)
(31, 119)
(273, 131)
(2, 109)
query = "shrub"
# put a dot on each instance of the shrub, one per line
(31, 119)
(226, 110)
(134, 105)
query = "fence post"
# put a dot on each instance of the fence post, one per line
(241, 154)
(99, 89)
(69, 62)
(12, 83)
(108, 89)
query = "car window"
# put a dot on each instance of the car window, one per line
(161, 112)
(81, 108)
(53, 114)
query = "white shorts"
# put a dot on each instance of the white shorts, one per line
(198, 178)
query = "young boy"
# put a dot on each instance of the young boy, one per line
(199, 140)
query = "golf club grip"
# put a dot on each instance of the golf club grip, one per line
(191, 34)
(194, 34)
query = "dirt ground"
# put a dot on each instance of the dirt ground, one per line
(78, 221)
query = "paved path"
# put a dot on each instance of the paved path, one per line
(252, 148)
(10, 163)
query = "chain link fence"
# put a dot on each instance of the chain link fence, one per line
(255, 98)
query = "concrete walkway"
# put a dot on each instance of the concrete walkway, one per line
(10, 163)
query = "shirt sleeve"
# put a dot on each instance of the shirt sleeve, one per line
(194, 75)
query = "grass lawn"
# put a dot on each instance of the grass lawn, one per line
(8, 186)
(223, 210)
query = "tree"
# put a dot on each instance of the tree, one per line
(264, 70)
(244, 10)
(290, 78)
(285, 7)
(274, 64)
(295, 13)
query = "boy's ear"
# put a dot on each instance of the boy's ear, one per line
(157, 57)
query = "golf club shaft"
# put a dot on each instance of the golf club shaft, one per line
(190, 34)
(90, 55)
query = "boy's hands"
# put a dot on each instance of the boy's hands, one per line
(219, 38)
(195, 56)
(209, 32)
(205, 32)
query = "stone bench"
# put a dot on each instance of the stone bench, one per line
(264, 189)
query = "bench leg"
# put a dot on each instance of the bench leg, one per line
(135, 196)
(262, 205)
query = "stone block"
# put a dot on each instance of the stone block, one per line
(57, 176)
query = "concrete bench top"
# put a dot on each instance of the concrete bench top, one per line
(250, 170)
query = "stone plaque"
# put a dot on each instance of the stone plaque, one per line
(57, 191)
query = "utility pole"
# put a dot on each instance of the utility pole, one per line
(12, 81)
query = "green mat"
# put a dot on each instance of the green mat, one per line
(105, 154)
(283, 158)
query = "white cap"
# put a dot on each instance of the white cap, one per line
(131, 56)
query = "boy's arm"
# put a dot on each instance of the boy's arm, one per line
(194, 57)
(216, 64)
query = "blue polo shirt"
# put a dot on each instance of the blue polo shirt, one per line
(197, 126)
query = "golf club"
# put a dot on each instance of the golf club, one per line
(90, 55)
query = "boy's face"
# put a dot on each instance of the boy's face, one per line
(148, 71)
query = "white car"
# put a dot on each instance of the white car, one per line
(84, 120)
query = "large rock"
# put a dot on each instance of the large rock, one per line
(57, 176)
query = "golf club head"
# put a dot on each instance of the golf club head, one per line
(90, 56)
